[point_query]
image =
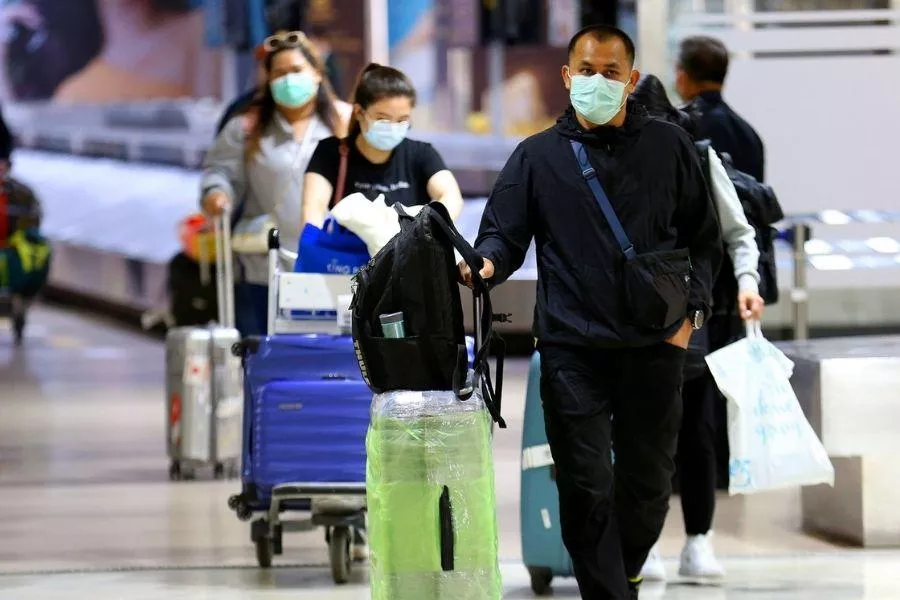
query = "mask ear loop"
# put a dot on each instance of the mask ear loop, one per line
(625, 89)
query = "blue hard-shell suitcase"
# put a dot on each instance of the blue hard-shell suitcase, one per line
(309, 431)
(542, 547)
(306, 413)
(300, 358)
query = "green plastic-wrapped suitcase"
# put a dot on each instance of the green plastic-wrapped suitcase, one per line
(431, 507)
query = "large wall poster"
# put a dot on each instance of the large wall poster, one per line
(345, 22)
(411, 39)
(96, 51)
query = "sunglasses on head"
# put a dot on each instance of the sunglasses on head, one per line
(291, 39)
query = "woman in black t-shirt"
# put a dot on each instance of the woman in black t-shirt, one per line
(380, 159)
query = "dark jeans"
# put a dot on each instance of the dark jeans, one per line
(251, 307)
(594, 400)
(701, 435)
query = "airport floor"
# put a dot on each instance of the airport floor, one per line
(88, 511)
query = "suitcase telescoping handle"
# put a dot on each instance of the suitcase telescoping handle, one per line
(274, 249)
(224, 270)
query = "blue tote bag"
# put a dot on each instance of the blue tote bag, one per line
(332, 249)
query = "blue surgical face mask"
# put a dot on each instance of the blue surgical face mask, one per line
(597, 98)
(385, 135)
(294, 89)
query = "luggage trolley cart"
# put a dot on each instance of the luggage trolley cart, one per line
(337, 506)
(13, 306)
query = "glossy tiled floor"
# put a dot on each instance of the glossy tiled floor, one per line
(88, 511)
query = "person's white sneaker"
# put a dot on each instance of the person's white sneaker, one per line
(359, 550)
(654, 569)
(359, 553)
(698, 562)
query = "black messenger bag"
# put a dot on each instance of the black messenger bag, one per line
(656, 284)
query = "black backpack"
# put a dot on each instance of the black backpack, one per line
(416, 274)
(192, 301)
(762, 210)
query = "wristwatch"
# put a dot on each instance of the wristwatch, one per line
(697, 318)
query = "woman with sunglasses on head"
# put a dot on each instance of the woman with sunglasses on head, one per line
(257, 163)
(380, 159)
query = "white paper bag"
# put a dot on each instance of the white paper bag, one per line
(772, 444)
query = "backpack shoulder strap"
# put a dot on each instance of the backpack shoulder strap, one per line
(602, 200)
(441, 218)
(703, 148)
(487, 341)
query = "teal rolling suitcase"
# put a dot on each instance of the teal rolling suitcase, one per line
(542, 545)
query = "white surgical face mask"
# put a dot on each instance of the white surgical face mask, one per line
(597, 98)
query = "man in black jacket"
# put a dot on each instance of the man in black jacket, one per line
(611, 370)
(699, 79)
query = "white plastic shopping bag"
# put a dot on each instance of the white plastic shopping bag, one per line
(772, 444)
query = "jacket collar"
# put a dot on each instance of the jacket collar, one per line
(635, 119)
(711, 97)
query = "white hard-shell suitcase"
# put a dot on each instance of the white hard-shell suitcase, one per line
(204, 383)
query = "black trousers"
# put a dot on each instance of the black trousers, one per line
(697, 454)
(628, 400)
(700, 435)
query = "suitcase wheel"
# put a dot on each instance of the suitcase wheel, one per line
(177, 472)
(277, 539)
(262, 538)
(339, 553)
(264, 551)
(541, 578)
(243, 512)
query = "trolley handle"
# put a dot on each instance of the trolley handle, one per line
(224, 270)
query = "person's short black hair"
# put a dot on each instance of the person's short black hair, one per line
(602, 33)
(704, 59)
